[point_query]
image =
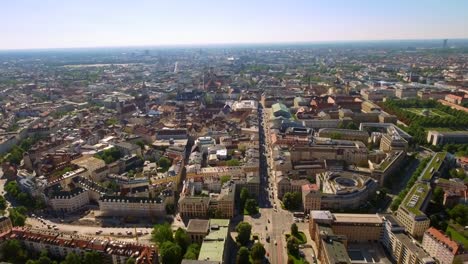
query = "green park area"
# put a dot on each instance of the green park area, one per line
(457, 233)
(428, 112)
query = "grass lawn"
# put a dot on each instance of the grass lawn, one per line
(297, 260)
(458, 236)
(432, 112)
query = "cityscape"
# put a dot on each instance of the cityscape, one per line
(292, 151)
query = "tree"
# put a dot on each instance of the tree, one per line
(3, 203)
(293, 246)
(459, 214)
(12, 188)
(292, 200)
(130, 260)
(162, 233)
(232, 162)
(72, 258)
(92, 257)
(243, 256)
(17, 216)
(251, 206)
(164, 163)
(438, 195)
(243, 230)
(294, 230)
(258, 251)
(244, 195)
(170, 253)
(182, 239)
(141, 144)
(395, 204)
(225, 179)
(12, 251)
(192, 251)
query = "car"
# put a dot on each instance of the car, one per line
(146, 232)
(111, 233)
(276, 243)
(266, 228)
(75, 232)
(120, 233)
(268, 220)
(56, 228)
(268, 239)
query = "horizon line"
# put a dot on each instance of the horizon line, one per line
(198, 45)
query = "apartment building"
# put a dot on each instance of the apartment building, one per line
(403, 248)
(411, 211)
(441, 247)
(132, 206)
(69, 201)
(59, 245)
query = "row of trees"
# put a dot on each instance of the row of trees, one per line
(257, 251)
(174, 246)
(416, 123)
(248, 203)
(414, 177)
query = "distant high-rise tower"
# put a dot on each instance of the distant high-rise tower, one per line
(445, 43)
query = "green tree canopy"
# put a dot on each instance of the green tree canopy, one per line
(13, 252)
(71, 258)
(243, 256)
(292, 200)
(293, 246)
(244, 230)
(294, 230)
(162, 233)
(92, 257)
(171, 253)
(251, 206)
(258, 251)
(192, 251)
(233, 162)
(182, 239)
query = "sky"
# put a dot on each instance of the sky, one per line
(30, 24)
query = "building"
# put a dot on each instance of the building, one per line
(5, 224)
(279, 110)
(338, 190)
(346, 134)
(331, 247)
(352, 152)
(403, 248)
(355, 227)
(132, 206)
(440, 246)
(198, 229)
(215, 246)
(69, 201)
(388, 166)
(58, 245)
(393, 142)
(411, 211)
(450, 137)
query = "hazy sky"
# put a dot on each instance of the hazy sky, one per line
(94, 23)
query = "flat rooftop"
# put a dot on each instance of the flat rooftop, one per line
(358, 218)
(415, 198)
(213, 245)
(433, 166)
